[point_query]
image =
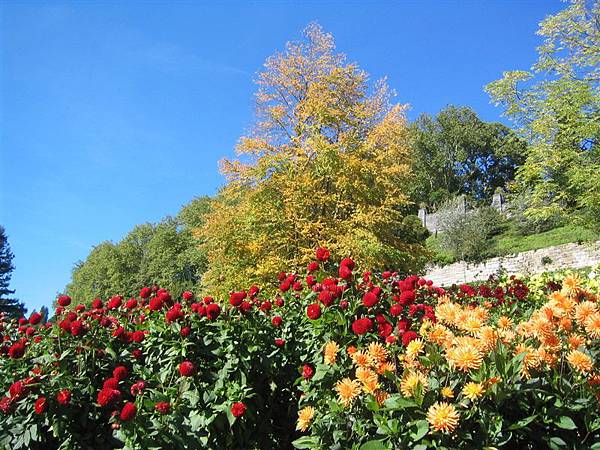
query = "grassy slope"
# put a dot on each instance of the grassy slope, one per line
(508, 242)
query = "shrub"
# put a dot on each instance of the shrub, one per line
(465, 235)
(337, 359)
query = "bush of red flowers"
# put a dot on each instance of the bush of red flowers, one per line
(181, 371)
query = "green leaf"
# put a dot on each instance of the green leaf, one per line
(556, 443)
(422, 429)
(566, 423)
(397, 402)
(522, 423)
(374, 445)
(196, 421)
(306, 442)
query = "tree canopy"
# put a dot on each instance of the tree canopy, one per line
(167, 254)
(8, 304)
(327, 163)
(556, 106)
(455, 152)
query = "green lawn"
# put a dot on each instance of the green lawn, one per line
(509, 242)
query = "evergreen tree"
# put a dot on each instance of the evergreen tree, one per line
(8, 305)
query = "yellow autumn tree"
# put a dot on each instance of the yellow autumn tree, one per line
(326, 164)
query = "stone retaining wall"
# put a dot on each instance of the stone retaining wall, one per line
(563, 256)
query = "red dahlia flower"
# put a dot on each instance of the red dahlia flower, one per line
(347, 262)
(77, 328)
(403, 325)
(212, 311)
(17, 389)
(114, 302)
(370, 299)
(128, 412)
(407, 297)
(362, 326)
(156, 304)
(163, 407)
(111, 383)
(138, 336)
(97, 303)
(35, 318)
(307, 372)
(137, 388)
(322, 254)
(17, 350)
(396, 309)
(238, 409)
(131, 303)
(108, 396)
(187, 369)
(6, 405)
(145, 292)
(385, 329)
(345, 272)
(253, 291)
(313, 311)
(41, 405)
(276, 321)
(64, 397)
(120, 373)
(64, 300)
(173, 314)
(408, 337)
(236, 298)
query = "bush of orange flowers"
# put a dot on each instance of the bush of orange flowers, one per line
(337, 358)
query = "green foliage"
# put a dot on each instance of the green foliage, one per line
(8, 305)
(166, 254)
(557, 106)
(455, 152)
(522, 222)
(465, 235)
(511, 241)
(238, 358)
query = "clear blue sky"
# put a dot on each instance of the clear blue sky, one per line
(116, 113)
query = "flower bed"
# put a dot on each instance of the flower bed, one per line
(336, 359)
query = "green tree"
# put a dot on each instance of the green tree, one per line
(556, 105)
(8, 304)
(166, 254)
(455, 152)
